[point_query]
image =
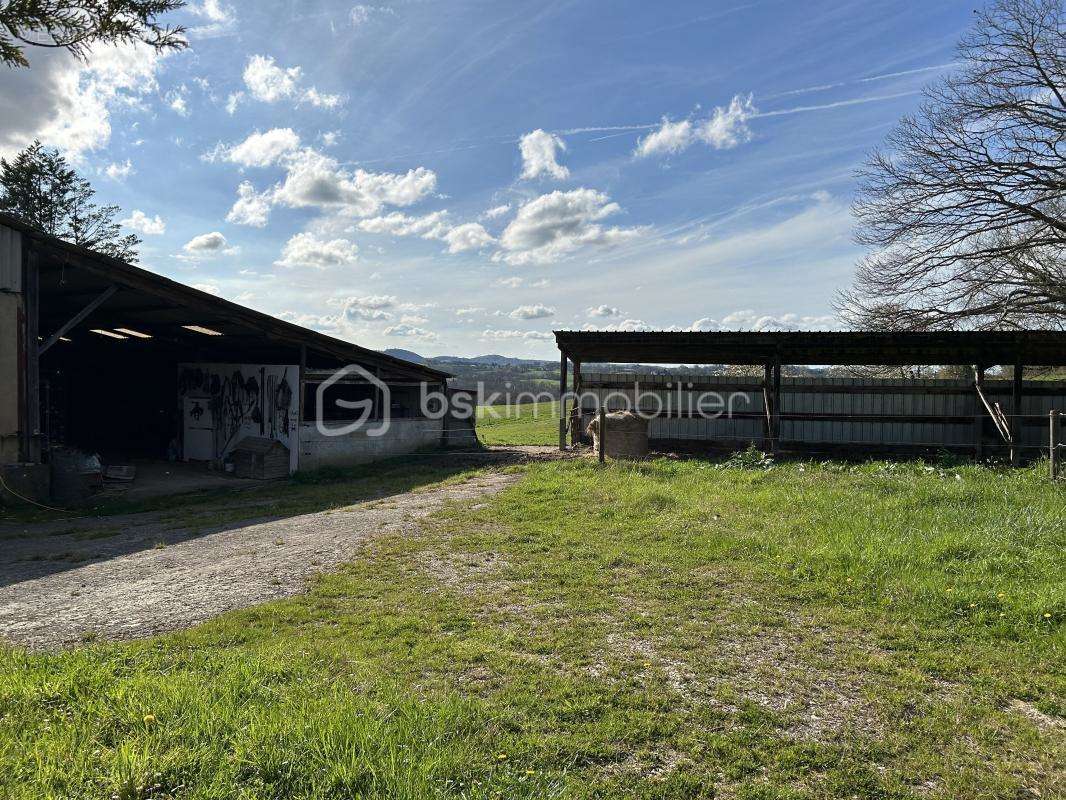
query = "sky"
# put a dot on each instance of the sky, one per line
(461, 177)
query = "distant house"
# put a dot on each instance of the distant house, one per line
(102, 356)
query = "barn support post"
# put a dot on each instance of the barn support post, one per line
(575, 412)
(562, 400)
(31, 287)
(1053, 443)
(978, 413)
(1016, 420)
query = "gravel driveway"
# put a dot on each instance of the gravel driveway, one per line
(142, 575)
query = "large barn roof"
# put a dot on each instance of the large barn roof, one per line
(1035, 348)
(72, 277)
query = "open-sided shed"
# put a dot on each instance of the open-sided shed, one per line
(816, 413)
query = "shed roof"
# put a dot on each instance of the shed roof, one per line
(71, 276)
(1043, 348)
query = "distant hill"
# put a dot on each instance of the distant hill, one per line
(406, 355)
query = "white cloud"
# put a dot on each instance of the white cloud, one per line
(624, 325)
(208, 244)
(268, 82)
(119, 172)
(67, 103)
(315, 179)
(496, 212)
(259, 149)
(307, 250)
(220, 19)
(141, 223)
(538, 155)
(429, 226)
(370, 307)
(603, 311)
(251, 207)
(725, 128)
(210, 288)
(469, 236)
(410, 332)
(554, 225)
(518, 282)
(233, 101)
(671, 137)
(750, 320)
(537, 311)
(728, 127)
(490, 334)
(177, 99)
(469, 311)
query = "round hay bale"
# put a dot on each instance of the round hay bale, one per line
(627, 435)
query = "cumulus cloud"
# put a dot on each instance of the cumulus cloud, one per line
(518, 282)
(490, 334)
(208, 244)
(496, 212)
(270, 83)
(119, 172)
(435, 225)
(554, 225)
(469, 311)
(259, 149)
(251, 207)
(178, 100)
(725, 128)
(469, 236)
(603, 311)
(314, 179)
(67, 103)
(141, 223)
(538, 150)
(624, 325)
(410, 332)
(218, 19)
(750, 320)
(537, 311)
(671, 137)
(210, 288)
(307, 250)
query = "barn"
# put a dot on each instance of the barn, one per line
(99, 358)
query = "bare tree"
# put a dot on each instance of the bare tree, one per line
(76, 25)
(964, 209)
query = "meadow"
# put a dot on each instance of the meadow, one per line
(669, 629)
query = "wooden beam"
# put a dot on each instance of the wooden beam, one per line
(1015, 420)
(66, 327)
(602, 434)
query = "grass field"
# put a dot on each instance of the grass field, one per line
(528, 423)
(674, 629)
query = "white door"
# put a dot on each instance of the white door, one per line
(199, 429)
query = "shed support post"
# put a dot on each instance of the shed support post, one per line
(562, 400)
(602, 434)
(767, 423)
(978, 413)
(575, 412)
(31, 287)
(1016, 420)
(775, 400)
(1053, 443)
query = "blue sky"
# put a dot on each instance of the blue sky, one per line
(464, 177)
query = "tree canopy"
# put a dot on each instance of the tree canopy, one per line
(75, 25)
(40, 188)
(964, 208)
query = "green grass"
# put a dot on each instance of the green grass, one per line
(524, 424)
(674, 629)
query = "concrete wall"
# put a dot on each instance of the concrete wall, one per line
(404, 436)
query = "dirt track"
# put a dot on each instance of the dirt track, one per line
(142, 575)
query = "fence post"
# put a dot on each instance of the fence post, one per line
(1053, 443)
(603, 432)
